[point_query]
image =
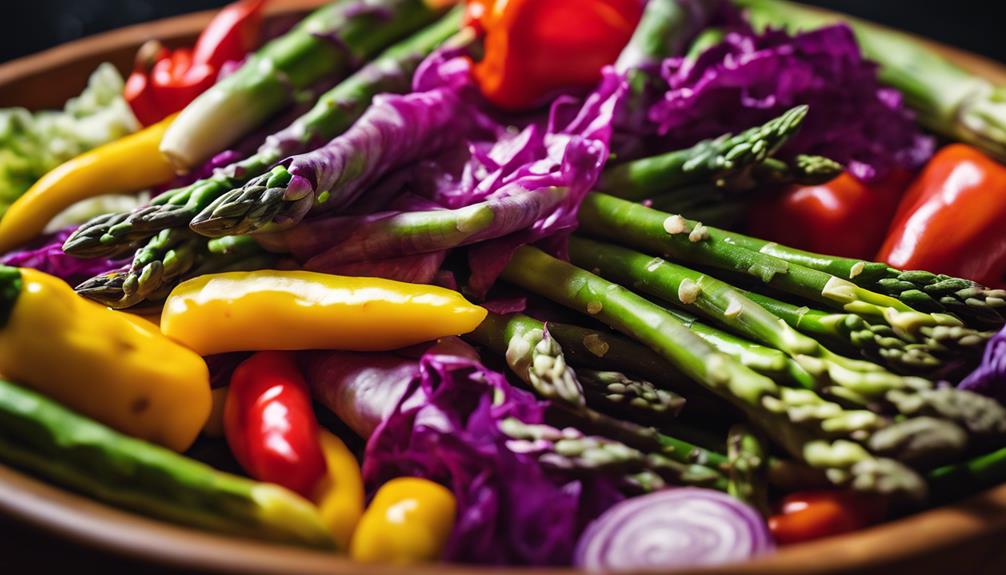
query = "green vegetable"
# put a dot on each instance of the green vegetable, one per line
(749, 461)
(728, 156)
(33, 144)
(326, 44)
(45, 438)
(822, 433)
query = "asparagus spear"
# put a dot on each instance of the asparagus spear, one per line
(632, 224)
(819, 432)
(330, 42)
(978, 305)
(172, 257)
(49, 440)
(855, 381)
(748, 456)
(640, 398)
(726, 157)
(947, 99)
(664, 30)
(334, 112)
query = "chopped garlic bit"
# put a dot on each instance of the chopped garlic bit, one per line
(688, 292)
(675, 225)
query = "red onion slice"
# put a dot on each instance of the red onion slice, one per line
(684, 527)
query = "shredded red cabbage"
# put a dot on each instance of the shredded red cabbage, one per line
(46, 255)
(511, 509)
(676, 528)
(750, 78)
(989, 379)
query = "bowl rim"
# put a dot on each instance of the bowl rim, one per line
(88, 522)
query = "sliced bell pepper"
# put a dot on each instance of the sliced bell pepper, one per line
(297, 310)
(951, 219)
(130, 164)
(534, 48)
(270, 425)
(844, 217)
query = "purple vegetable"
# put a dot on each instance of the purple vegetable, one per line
(511, 509)
(989, 379)
(748, 79)
(417, 269)
(670, 529)
(46, 255)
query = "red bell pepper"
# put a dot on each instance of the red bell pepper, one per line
(270, 425)
(844, 217)
(951, 220)
(536, 47)
(163, 82)
(809, 515)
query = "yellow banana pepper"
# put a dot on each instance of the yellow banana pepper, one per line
(295, 310)
(339, 496)
(214, 426)
(409, 521)
(101, 363)
(130, 164)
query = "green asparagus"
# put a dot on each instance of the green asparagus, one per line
(670, 235)
(328, 43)
(43, 437)
(334, 112)
(822, 433)
(726, 157)
(748, 456)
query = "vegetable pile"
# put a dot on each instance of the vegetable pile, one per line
(613, 284)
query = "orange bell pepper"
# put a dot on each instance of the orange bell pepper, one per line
(536, 47)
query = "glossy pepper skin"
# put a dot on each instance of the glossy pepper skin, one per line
(339, 496)
(409, 521)
(535, 47)
(297, 310)
(809, 515)
(111, 366)
(127, 165)
(844, 217)
(951, 219)
(164, 82)
(270, 425)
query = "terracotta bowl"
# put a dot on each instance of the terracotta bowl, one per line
(961, 538)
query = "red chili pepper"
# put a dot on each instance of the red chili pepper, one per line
(951, 219)
(536, 47)
(809, 515)
(164, 82)
(844, 217)
(270, 425)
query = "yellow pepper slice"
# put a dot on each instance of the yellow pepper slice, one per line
(409, 521)
(340, 495)
(295, 310)
(130, 164)
(101, 363)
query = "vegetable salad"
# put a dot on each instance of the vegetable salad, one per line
(612, 284)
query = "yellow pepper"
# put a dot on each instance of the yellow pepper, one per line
(409, 521)
(294, 310)
(339, 496)
(214, 426)
(130, 164)
(107, 365)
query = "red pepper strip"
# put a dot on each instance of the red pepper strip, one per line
(270, 425)
(951, 219)
(535, 47)
(844, 217)
(809, 515)
(163, 82)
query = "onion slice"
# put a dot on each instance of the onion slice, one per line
(683, 527)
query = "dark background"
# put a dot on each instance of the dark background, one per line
(38, 24)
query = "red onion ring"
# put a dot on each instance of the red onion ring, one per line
(683, 527)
